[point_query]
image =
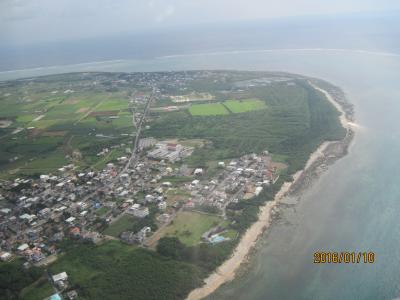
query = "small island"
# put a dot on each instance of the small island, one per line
(122, 185)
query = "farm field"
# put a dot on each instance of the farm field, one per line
(240, 106)
(42, 119)
(226, 107)
(190, 226)
(211, 109)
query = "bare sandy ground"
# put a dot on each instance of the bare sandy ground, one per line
(345, 123)
(227, 271)
(5, 123)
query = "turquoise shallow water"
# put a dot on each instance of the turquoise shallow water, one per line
(355, 206)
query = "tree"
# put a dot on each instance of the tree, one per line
(170, 247)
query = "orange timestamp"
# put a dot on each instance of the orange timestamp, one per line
(321, 257)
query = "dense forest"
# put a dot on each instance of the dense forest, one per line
(13, 278)
(117, 271)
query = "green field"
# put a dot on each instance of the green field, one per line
(43, 108)
(112, 104)
(190, 226)
(240, 106)
(211, 109)
(102, 211)
(122, 224)
(224, 108)
(44, 164)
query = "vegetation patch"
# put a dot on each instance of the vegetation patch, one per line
(190, 226)
(13, 278)
(297, 121)
(112, 105)
(240, 106)
(124, 223)
(104, 113)
(130, 223)
(40, 289)
(209, 109)
(117, 271)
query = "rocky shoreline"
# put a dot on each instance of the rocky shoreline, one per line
(326, 154)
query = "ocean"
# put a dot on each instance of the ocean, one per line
(354, 206)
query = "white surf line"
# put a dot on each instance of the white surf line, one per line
(378, 53)
(63, 66)
(345, 122)
(362, 51)
(227, 270)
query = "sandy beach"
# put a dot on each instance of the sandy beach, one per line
(227, 271)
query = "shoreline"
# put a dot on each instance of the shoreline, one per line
(327, 153)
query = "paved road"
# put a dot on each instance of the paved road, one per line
(134, 157)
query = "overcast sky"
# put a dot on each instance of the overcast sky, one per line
(35, 21)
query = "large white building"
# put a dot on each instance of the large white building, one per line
(138, 211)
(170, 151)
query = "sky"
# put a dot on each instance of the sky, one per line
(36, 21)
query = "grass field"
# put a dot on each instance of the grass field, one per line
(211, 109)
(226, 107)
(112, 104)
(46, 114)
(47, 162)
(102, 211)
(190, 226)
(240, 106)
(122, 224)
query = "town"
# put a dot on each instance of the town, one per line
(48, 209)
(148, 187)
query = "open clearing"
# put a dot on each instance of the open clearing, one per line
(239, 106)
(122, 224)
(211, 109)
(190, 226)
(113, 104)
(226, 107)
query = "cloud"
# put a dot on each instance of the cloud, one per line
(28, 21)
(167, 12)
